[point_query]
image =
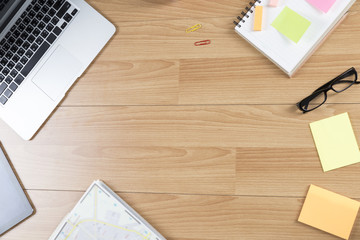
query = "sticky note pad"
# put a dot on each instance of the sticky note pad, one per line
(291, 24)
(258, 18)
(328, 211)
(323, 5)
(335, 142)
(273, 3)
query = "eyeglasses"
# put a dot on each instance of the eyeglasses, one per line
(319, 96)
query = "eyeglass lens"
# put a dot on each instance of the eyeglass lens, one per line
(314, 101)
(344, 83)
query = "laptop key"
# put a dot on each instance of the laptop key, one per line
(35, 59)
(52, 12)
(29, 53)
(22, 27)
(26, 45)
(13, 87)
(11, 64)
(50, 3)
(4, 61)
(24, 60)
(58, 4)
(41, 25)
(37, 7)
(9, 55)
(57, 31)
(24, 35)
(3, 100)
(55, 20)
(8, 80)
(50, 27)
(19, 42)
(45, 9)
(44, 34)
(31, 38)
(74, 12)
(16, 58)
(26, 21)
(14, 48)
(13, 73)
(21, 51)
(34, 47)
(67, 17)
(5, 71)
(3, 86)
(39, 40)
(18, 66)
(47, 19)
(63, 25)
(36, 32)
(2, 77)
(8, 93)
(63, 10)
(51, 38)
(19, 79)
(39, 16)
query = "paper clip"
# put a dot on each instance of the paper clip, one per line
(193, 28)
(204, 42)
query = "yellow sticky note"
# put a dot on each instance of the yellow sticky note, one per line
(291, 24)
(335, 142)
(328, 211)
(258, 18)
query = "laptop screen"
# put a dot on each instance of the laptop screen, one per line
(14, 205)
(8, 9)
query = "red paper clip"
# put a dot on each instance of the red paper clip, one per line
(204, 42)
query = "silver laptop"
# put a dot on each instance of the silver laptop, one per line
(45, 45)
(14, 206)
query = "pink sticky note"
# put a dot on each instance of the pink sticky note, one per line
(273, 3)
(323, 5)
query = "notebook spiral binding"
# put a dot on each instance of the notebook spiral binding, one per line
(246, 13)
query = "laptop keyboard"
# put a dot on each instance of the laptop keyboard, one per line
(28, 40)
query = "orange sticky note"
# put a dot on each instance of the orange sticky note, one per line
(330, 212)
(258, 18)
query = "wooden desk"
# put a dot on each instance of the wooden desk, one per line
(204, 142)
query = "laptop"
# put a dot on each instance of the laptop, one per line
(14, 205)
(45, 45)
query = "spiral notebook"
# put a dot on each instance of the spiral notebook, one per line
(281, 49)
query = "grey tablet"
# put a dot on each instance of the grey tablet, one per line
(14, 206)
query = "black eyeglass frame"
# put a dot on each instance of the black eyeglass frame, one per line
(326, 87)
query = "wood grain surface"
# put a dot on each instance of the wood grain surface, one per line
(204, 142)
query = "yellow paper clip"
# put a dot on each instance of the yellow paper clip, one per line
(193, 28)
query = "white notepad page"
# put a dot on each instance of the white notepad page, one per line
(278, 48)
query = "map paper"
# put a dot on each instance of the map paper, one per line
(101, 216)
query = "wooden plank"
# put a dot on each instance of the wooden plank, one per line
(106, 82)
(131, 169)
(185, 149)
(168, 40)
(181, 126)
(190, 217)
(143, 10)
(255, 81)
(289, 172)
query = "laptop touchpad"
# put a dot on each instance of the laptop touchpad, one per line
(58, 72)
